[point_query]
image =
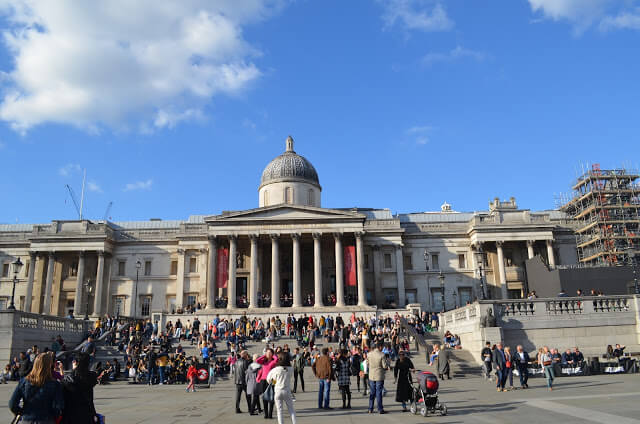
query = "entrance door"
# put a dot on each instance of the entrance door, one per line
(465, 295)
(436, 295)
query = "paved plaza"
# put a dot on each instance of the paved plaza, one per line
(611, 399)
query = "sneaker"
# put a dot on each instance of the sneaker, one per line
(382, 412)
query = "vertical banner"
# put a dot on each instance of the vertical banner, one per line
(222, 273)
(350, 266)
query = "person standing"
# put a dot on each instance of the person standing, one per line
(521, 359)
(443, 365)
(280, 377)
(343, 368)
(323, 371)
(364, 372)
(509, 365)
(299, 362)
(268, 361)
(500, 364)
(487, 357)
(78, 393)
(24, 367)
(253, 387)
(545, 361)
(402, 375)
(152, 365)
(240, 379)
(377, 366)
(41, 396)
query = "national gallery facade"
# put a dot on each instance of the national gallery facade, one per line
(288, 254)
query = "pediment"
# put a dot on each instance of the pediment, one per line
(286, 213)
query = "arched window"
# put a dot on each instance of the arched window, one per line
(311, 197)
(288, 195)
(265, 198)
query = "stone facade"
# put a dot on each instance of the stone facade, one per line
(288, 246)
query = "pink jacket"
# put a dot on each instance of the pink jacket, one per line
(266, 367)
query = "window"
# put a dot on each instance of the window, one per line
(310, 197)
(464, 294)
(387, 261)
(3, 303)
(288, 195)
(191, 300)
(462, 261)
(193, 264)
(390, 297)
(174, 268)
(407, 262)
(436, 295)
(147, 268)
(435, 264)
(118, 305)
(121, 265)
(145, 303)
(5, 271)
(366, 261)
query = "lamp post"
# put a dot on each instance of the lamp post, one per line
(135, 293)
(88, 288)
(426, 275)
(441, 277)
(480, 261)
(455, 300)
(17, 266)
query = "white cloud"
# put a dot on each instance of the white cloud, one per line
(248, 123)
(122, 64)
(454, 54)
(420, 134)
(582, 14)
(93, 186)
(421, 15)
(68, 169)
(139, 185)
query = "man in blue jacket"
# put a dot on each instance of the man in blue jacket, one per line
(522, 360)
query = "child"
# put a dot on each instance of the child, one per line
(191, 377)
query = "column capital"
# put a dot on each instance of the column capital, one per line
(359, 234)
(398, 246)
(254, 237)
(317, 236)
(476, 246)
(499, 243)
(549, 242)
(274, 236)
(376, 247)
(337, 235)
(203, 250)
(180, 251)
(212, 238)
(530, 242)
(233, 237)
(81, 253)
(51, 254)
(101, 253)
(296, 236)
(33, 255)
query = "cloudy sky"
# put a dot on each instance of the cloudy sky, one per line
(174, 108)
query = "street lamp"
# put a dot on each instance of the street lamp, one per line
(480, 261)
(426, 275)
(135, 295)
(633, 256)
(17, 266)
(441, 277)
(88, 288)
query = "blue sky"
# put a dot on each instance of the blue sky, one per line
(399, 104)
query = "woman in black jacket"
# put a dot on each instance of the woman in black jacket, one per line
(78, 393)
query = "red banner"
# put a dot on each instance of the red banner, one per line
(350, 265)
(222, 273)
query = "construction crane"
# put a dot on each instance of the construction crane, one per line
(75, 200)
(106, 213)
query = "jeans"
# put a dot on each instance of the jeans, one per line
(549, 375)
(501, 375)
(487, 368)
(284, 397)
(239, 389)
(298, 374)
(152, 373)
(524, 375)
(508, 376)
(323, 391)
(375, 394)
(161, 371)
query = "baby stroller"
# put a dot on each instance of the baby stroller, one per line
(425, 395)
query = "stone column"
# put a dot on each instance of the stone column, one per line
(400, 277)
(552, 258)
(275, 272)
(179, 279)
(317, 270)
(231, 285)
(253, 276)
(339, 269)
(109, 266)
(211, 272)
(97, 300)
(362, 289)
(501, 271)
(297, 272)
(32, 272)
(77, 304)
(530, 253)
(377, 280)
(46, 309)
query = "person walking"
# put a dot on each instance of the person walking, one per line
(402, 376)
(545, 361)
(343, 369)
(521, 359)
(240, 379)
(323, 371)
(41, 396)
(78, 393)
(509, 365)
(442, 362)
(500, 364)
(152, 365)
(487, 358)
(268, 361)
(280, 377)
(299, 362)
(377, 366)
(364, 372)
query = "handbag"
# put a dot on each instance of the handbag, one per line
(268, 394)
(546, 363)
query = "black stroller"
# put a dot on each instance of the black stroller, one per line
(425, 395)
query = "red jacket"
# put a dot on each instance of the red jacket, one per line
(192, 372)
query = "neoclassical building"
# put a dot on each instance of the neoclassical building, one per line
(288, 253)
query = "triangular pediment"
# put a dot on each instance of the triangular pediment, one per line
(286, 213)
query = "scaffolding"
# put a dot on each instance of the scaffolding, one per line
(605, 205)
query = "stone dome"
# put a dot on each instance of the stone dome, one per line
(289, 166)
